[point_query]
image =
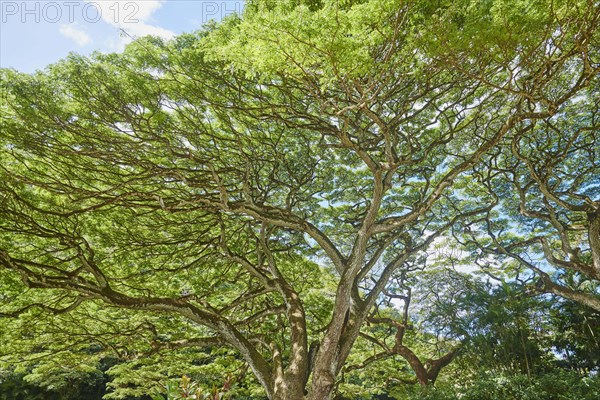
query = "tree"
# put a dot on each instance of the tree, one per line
(205, 177)
(547, 217)
(576, 336)
(515, 345)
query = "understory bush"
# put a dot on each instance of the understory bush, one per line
(555, 385)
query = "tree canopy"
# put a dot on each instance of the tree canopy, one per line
(261, 184)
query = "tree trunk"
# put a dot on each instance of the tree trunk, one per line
(322, 385)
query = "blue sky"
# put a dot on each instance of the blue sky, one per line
(36, 33)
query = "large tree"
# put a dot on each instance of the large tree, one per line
(204, 177)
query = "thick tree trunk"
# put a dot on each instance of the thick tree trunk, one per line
(328, 357)
(289, 390)
(322, 386)
(294, 377)
(289, 384)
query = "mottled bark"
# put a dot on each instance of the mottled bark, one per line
(594, 240)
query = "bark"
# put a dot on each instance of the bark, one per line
(415, 364)
(594, 240)
(289, 382)
(426, 373)
(435, 366)
(587, 299)
(325, 368)
(297, 369)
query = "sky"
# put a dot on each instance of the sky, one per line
(36, 33)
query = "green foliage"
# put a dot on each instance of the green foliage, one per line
(188, 389)
(556, 385)
(576, 336)
(332, 41)
(57, 384)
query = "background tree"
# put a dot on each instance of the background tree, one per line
(204, 176)
(512, 342)
(576, 336)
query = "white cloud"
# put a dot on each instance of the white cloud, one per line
(72, 32)
(142, 29)
(133, 17)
